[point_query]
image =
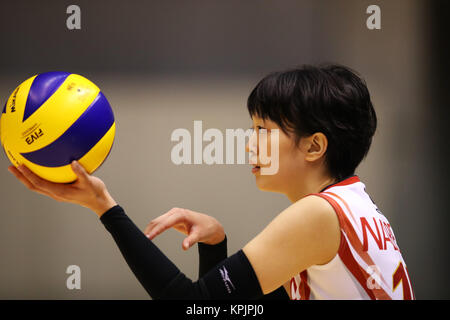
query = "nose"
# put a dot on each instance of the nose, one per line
(252, 148)
(252, 145)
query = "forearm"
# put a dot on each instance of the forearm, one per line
(139, 252)
(211, 255)
(233, 278)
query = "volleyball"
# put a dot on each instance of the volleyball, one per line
(53, 118)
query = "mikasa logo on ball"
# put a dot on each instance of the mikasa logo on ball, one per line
(13, 101)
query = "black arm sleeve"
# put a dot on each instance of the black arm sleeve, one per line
(211, 255)
(232, 278)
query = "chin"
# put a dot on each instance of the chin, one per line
(266, 183)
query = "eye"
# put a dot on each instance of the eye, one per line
(260, 127)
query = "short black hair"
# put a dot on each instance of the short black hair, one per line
(327, 98)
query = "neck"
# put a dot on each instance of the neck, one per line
(308, 185)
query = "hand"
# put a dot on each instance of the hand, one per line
(197, 226)
(87, 191)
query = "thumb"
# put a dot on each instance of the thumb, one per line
(79, 170)
(190, 241)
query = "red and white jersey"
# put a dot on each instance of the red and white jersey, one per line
(368, 264)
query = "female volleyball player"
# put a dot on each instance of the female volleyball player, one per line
(331, 243)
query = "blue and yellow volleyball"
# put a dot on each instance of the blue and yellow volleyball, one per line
(53, 118)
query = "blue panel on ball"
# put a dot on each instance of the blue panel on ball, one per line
(4, 108)
(42, 88)
(89, 128)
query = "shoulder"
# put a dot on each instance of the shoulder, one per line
(319, 225)
(312, 207)
(311, 222)
(306, 233)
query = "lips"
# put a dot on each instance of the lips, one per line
(256, 169)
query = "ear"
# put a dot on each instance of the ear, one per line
(316, 146)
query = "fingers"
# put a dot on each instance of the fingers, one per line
(37, 181)
(154, 223)
(171, 219)
(81, 173)
(28, 183)
(21, 177)
(159, 219)
(166, 222)
(38, 184)
(192, 239)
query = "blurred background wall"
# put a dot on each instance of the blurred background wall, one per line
(164, 64)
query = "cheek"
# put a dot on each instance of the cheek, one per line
(291, 164)
(291, 160)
